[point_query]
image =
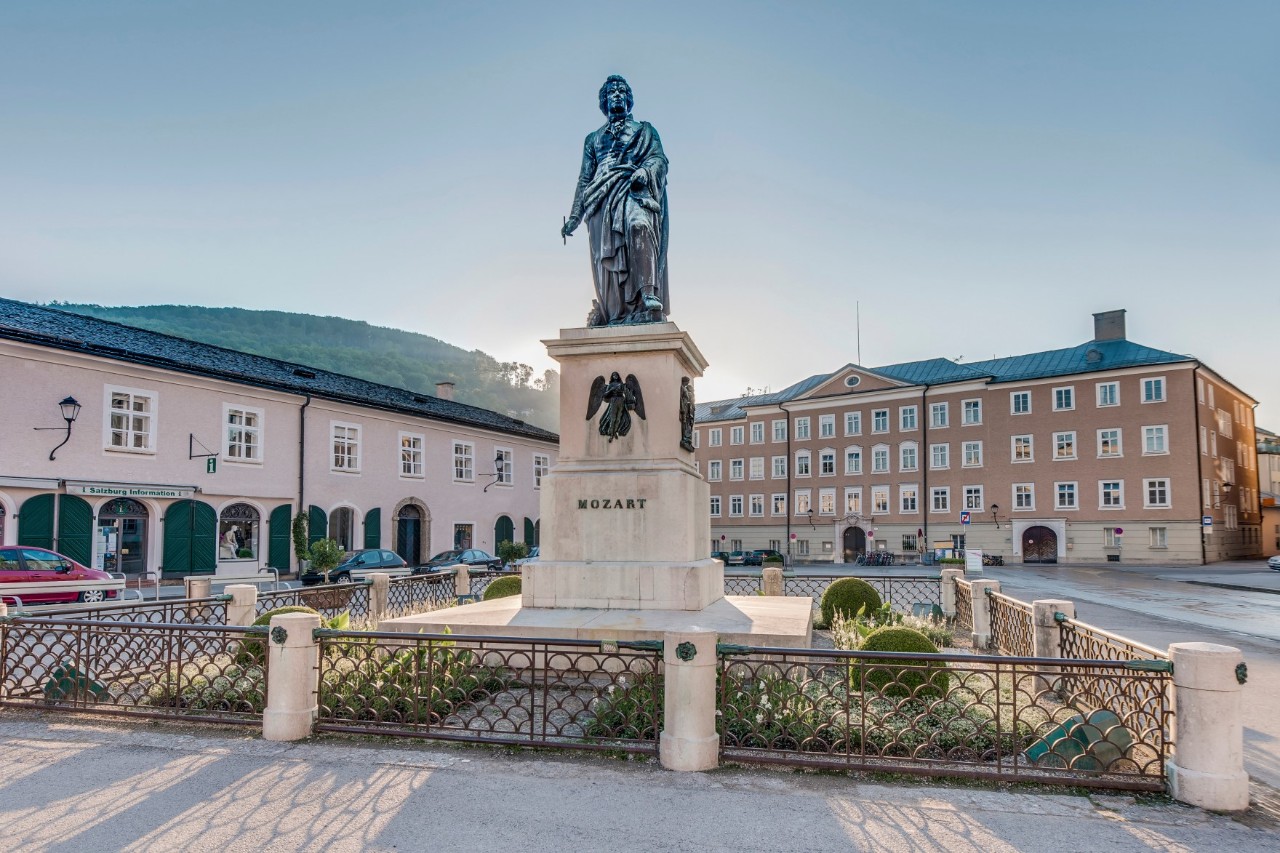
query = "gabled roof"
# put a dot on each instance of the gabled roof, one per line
(1089, 357)
(63, 330)
(934, 371)
(725, 410)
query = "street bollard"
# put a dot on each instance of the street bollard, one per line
(1046, 634)
(379, 592)
(948, 590)
(1207, 768)
(292, 677)
(461, 581)
(771, 581)
(689, 740)
(198, 587)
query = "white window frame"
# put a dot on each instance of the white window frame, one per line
(152, 416)
(878, 452)
(351, 440)
(464, 461)
(853, 500)
(971, 405)
(229, 446)
(970, 492)
(827, 455)
(1013, 402)
(774, 508)
(880, 500)
(803, 464)
(802, 429)
(541, 467)
(943, 505)
(879, 416)
(1069, 391)
(757, 432)
(714, 436)
(1072, 439)
(755, 468)
(908, 418)
(754, 501)
(737, 434)
(779, 468)
(715, 470)
(506, 469)
(1119, 443)
(737, 469)
(1147, 485)
(909, 492)
(939, 415)
(412, 457)
(827, 502)
(1158, 537)
(715, 506)
(1147, 434)
(1163, 387)
(965, 450)
(1020, 490)
(1074, 491)
(1115, 389)
(1102, 493)
(852, 423)
(905, 464)
(735, 506)
(1030, 445)
(826, 426)
(779, 430)
(940, 457)
(853, 460)
(803, 501)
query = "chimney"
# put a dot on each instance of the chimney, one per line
(444, 390)
(1109, 325)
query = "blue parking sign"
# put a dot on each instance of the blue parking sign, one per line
(964, 517)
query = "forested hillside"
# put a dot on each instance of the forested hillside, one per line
(389, 356)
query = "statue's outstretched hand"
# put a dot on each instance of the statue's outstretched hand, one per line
(570, 225)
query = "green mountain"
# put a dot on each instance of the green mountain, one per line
(389, 356)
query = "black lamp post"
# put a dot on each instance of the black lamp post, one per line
(994, 509)
(497, 470)
(70, 411)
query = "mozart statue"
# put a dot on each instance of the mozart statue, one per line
(622, 195)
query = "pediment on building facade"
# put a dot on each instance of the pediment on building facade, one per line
(853, 379)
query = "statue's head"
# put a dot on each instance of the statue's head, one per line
(614, 377)
(615, 91)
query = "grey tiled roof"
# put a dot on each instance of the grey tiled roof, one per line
(78, 333)
(1089, 357)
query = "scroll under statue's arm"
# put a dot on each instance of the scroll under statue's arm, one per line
(585, 175)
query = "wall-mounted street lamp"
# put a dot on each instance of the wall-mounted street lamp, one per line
(810, 514)
(497, 470)
(994, 509)
(70, 411)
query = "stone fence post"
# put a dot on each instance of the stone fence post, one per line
(292, 677)
(947, 588)
(197, 587)
(1046, 634)
(689, 740)
(461, 581)
(242, 609)
(1207, 769)
(981, 636)
(379, 592)
(771, 581)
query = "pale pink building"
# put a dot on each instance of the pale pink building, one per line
(186, 458)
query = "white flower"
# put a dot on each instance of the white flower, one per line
(762, 687)
(759, 718)
(611, 689)
(622, 681)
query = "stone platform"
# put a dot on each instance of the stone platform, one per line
(746, 619)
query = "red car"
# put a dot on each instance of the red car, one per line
(41, 571)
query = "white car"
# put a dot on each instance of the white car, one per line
(1274, 563)
(532, 558)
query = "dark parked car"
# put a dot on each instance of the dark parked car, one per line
(356, 566)
(722, 556)
(23, 565)
(472, 558)
(756, 557)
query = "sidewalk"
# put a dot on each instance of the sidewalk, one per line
(80, 785)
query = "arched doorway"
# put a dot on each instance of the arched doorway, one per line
(122, 536)
(409, 534)
(504, 530)
(1039, 545)
(855, 543)
(239, 528)
(342, 525)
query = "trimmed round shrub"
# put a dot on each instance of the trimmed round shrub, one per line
(848, 596)
(501, 588)
(886, 675)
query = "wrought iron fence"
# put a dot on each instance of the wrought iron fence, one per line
(213, 673)
(168, 611)
(480, 580)
(904, 593)
(964, 605)
(327, 599)
(1003, 718)
(420, 593)
(565, 693)
(1012, 625)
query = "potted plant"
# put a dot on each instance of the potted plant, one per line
(509, 552)
(325, 555)
(300, 549)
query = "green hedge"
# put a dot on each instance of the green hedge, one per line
(890, 677)
(849, 596)
(501, 588)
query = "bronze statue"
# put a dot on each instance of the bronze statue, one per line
(687, 410)
(622, 194)
(621, 398)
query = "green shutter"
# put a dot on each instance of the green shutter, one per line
(204, 538)
(75, 529)
(530, 536)
(190, 538)
(503, 531)
(177, 538)
(373, 528)
(317, 525)
(35, 522)
(280, 537)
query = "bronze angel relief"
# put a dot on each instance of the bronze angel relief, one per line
(620, 399)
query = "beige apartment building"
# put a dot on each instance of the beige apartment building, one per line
(1109, 451)
(185, 458)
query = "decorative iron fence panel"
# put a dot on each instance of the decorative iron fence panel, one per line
(1003, 718)
(213, 673)
(327, 599)
(964, 605)
(741, 585)
(904, 593)
(167, 611)
(564, 693)
(1012, 626)
(480, 580)
(420, 593)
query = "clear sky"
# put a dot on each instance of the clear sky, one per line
(980, 177)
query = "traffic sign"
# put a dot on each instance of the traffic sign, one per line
(964, 517)
(1119, 531)
(1206, 521)
(793, 536)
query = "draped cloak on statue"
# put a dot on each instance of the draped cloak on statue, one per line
(627, 230)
